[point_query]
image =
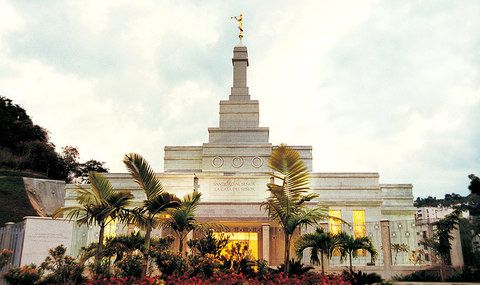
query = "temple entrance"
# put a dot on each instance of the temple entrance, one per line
(241, 241)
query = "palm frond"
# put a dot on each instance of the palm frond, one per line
(143, 175)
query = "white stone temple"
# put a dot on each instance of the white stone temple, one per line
(230, 170)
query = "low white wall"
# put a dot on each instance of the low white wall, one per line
(42, 234)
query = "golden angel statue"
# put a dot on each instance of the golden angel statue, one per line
(240, 24)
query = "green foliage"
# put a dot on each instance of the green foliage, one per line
(63, 268)
(286, 203)
(318, 242)
(238, 258)
(130, 266)
(206, 265)
(169, 263)
(397, 248)
(162, 243)
(14, 202)
(474, 186)
(440, 241)
(349, 246)
(362, 278)
(5, 255)
(295, 268)
(209, 244)
(467, 275)
(419, 276)
(124, 245)
(25, 275)
(27, 146)
(97, 204)
(101, 268)
(158, 201)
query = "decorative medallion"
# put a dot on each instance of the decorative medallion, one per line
(257, 162)
(217, 161)
(237, 162)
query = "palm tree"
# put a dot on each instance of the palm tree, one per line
(399, 247)
(158, 201)
(182, 220)
(349, 246)
(318, 241)
(99, 204)
(286, 204)
(440, 242)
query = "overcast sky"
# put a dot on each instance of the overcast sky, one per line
(385, 86)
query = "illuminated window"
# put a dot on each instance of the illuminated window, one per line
(110, 227)
(241, 239)
(335, 224)
(359, 223)
(359, 227)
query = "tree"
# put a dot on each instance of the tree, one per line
(474, 186)
(350, 246)
(24, 145)
(286, 204)
(318, 241)
(98, 204)
(91, 165)
(70, 157)
(440, 242)
(182, 220)
(158, 201)
(399, 247)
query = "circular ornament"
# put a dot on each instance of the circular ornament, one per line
(237, 162)
(217, 161)
(257, 162)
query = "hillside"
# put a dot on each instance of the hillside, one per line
(14, 202)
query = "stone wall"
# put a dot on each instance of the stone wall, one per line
(45, 195)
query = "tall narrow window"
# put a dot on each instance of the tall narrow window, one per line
(110, 229)
(359, 223)
(359, 227)
(335, 224)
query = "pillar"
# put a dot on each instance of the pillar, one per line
(386, 249)
(456, 253)
(266, 242)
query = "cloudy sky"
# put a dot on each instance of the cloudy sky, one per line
(385, 86)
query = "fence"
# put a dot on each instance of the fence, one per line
(11, 238)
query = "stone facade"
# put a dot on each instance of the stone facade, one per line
(231, 172)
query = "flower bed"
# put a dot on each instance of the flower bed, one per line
(224, 279)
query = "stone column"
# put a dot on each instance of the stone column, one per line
(266, 242)
(456, 253)
(386, 249)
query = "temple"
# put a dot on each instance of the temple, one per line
(230, 170)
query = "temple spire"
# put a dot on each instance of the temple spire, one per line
(239, 91)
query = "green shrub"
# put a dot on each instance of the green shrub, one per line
(467, 275)
(5, 255)
(205, 265)
(25, 275)
(296, 268)
(362, 278)
(130, 266)
(169, 263)
(101, 269)
(420, 276)
(62, 268)
(209, 244)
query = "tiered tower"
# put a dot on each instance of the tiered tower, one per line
(238, 144)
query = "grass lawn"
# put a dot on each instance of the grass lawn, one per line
(14, 203)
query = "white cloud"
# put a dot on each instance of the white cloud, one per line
(373, 86)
